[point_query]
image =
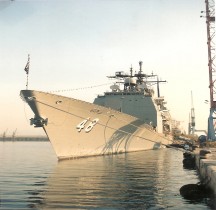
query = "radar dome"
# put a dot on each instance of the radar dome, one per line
(114, 88)
(130, 81)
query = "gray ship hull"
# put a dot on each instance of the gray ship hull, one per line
(79, 129)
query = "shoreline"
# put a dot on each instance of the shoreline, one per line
(24, 138)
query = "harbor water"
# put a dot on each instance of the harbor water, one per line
(31, 177)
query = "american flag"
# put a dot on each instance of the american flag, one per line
(27, 65)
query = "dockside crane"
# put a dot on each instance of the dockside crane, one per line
(4, 134)
(189, 125)
(14, 134)
(210, 23)
(192, 117)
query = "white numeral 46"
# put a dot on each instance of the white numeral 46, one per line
(88, 127)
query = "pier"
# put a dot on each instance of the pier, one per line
(206, 166)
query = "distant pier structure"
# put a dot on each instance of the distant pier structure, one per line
(13, 137)
(209, 14)
(23, 138)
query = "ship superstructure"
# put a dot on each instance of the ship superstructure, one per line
(138, 98)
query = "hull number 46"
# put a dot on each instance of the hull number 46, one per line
(87, 124)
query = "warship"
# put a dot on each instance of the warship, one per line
(130, 117)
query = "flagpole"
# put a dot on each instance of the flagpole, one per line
(27, 71)
(27, 82)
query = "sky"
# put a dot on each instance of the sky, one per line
(77, 43)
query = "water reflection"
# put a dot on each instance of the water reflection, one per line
(140, 180)
(31, 178)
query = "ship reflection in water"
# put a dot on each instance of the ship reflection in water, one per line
(142, 180)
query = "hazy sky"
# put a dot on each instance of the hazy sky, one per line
(77, 43)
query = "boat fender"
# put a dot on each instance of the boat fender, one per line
(195, 191)
(204, 152)
(189, 161)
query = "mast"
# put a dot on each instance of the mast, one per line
(158, 87)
